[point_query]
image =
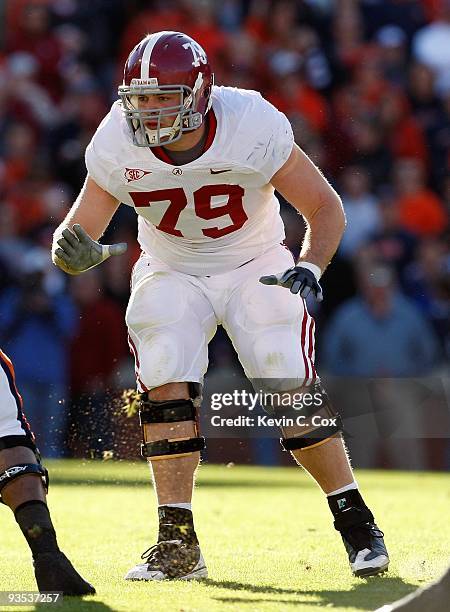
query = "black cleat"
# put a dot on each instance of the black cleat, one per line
(362, 539)
(170, 560)
(366, 549)
(54, 572)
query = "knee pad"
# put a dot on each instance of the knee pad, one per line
(21, 469)
(161, 358)
(170, 411)
(319, 422)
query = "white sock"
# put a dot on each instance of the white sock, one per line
(352, 485)
(186, 506)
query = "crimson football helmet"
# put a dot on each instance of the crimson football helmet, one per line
(166, 63)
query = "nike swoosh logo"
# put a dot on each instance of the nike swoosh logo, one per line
(219, 171)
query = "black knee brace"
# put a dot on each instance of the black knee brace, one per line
(21, 469)
(320, 422)
(170, 411)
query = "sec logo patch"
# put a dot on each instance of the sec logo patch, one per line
(134, 174)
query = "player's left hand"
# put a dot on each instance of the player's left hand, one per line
(297, 280)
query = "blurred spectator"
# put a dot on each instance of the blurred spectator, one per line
(421, 211)
(403, 135)
(427, 282)
(406, 14)
(34, 35)
(12, 245)
(89, 34)
(381, 333)
(431, 47)
(36, 323)
(18, 153)
(426, 105)
(283, 19)
(81, 112)
(36, 199)
(241, 59)
(348, 33)
(370, 151)
(95, 353)
(446, 194)
(394, 57)
(230, 14)
(439, 142)
(317, 66)
(23, 68)
(361, 210)
(391, 243)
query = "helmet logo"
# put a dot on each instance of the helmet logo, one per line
(177, 171)
(197, 52)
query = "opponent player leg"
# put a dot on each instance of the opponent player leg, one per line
(23, 484)
(274, 336)
(433, 597)
(170, 323)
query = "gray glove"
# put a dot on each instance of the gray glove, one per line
(297, 280)
(79, 252)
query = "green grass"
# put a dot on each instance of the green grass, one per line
(266, 535)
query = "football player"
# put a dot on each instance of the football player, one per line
(199, 164)
(23, 487)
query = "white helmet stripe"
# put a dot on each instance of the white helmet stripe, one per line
(147, 55)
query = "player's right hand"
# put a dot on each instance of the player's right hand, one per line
(78, 252)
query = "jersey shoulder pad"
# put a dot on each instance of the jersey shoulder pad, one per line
(109, 144)
(260, 135)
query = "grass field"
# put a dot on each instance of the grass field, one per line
(266, 534)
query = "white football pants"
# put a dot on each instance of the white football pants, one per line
(171, 318)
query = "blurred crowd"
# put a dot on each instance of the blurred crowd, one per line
(366, 85)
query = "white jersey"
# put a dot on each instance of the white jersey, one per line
(215, 213)
(12, 418)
